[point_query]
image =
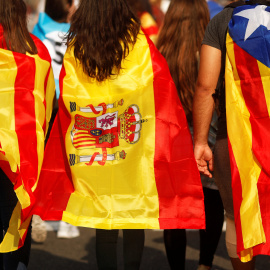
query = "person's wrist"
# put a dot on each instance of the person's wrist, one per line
(200, 144)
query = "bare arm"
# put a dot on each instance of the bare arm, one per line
(203, 105)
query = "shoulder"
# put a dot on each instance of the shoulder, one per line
(221, 20)
(42, 50)
(215, 34)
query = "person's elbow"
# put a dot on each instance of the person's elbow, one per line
(203, 88)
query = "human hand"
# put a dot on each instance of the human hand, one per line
(204, 158)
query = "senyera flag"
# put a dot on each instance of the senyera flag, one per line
(120, 154)
(149, 25)
(248, 105)
(26, 91)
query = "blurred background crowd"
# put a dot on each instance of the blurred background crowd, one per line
(158, 9)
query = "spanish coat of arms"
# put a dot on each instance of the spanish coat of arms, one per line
(104, 131)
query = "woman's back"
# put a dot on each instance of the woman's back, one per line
(27, 90)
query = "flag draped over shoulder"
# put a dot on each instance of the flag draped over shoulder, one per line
(149, 26)
(26, 97)
(120, 154)
(52, 34)
(247, 80)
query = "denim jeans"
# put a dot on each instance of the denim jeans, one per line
(16, 260)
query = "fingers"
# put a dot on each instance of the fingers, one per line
(204, 170)
(205, 167)
(208, 173)
(211, 164)
(204, 159)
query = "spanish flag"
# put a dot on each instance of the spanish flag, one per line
(247, 80)
(120, 154)
(26, 91)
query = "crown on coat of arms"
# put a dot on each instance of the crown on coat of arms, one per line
(131, 124)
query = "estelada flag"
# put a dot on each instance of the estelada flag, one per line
(26, 99)
(247, 79)
(120, 154)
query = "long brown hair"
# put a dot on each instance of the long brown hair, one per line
(180, 41)
(13, 21)
(101, 32)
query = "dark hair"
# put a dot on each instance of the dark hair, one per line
(179, 42)
(140, 6)
(57, 10)
(101, 33)
(13, 21)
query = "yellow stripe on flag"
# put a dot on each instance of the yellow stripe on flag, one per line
(8, 136)
(265, 71)
(239, 129)
(14, 235)
(49, 98)
(42, 68)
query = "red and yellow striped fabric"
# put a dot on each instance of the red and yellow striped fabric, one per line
(149, 26)
(26, 91)
(135, 168)
(247, 105)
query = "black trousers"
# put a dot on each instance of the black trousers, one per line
(106, 249)
(16, 260)
(175, 240)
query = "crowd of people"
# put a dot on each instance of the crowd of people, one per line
(69, 54)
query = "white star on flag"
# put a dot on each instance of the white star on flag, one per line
(257, 17)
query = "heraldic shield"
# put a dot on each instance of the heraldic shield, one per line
(103, 131)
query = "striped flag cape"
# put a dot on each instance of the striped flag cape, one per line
(120, 154)
(27, 91)
(52, 34)
(149, 26)
(247, 80)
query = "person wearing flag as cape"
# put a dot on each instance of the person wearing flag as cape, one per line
(27, 90)
(235, 61)
(182, 54)
(120, 154)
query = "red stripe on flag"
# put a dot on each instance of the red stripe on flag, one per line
(53, 193)
(253, 93)
(83, 137)
(177, 177)
(25, 118)
(237, 197)
(77, 141)
(42, 50)
(152, 30)
(43, 54)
